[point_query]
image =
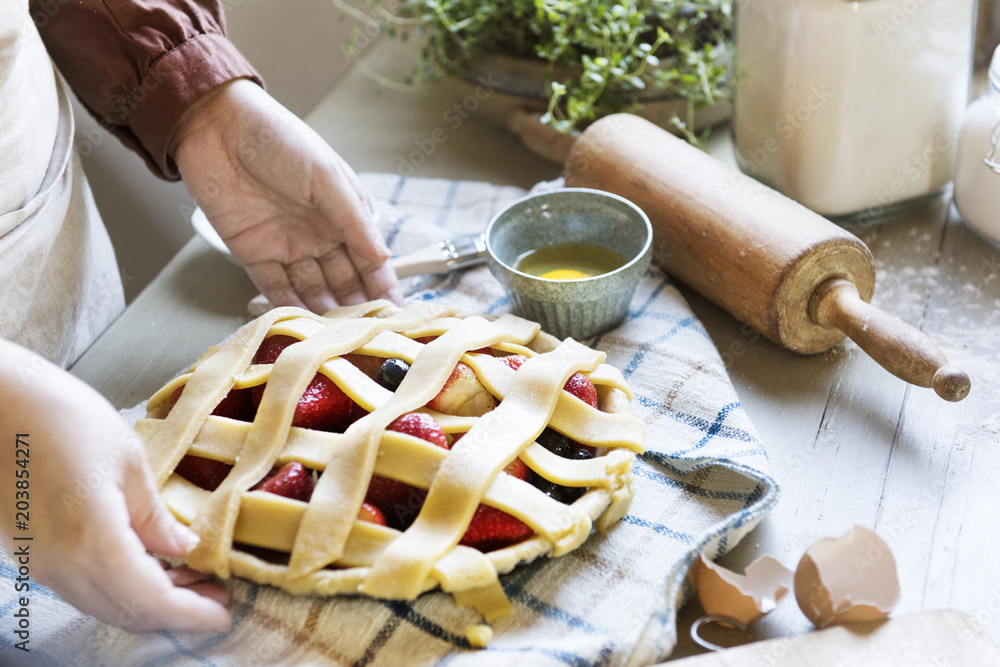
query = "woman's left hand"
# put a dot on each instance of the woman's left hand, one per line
(287, 206)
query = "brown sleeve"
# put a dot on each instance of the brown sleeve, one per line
(137, 65)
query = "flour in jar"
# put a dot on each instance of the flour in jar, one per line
(977, 174)
(851, 108)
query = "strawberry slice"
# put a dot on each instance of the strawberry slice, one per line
(371, 514)
(205, 473)
(357, 412)
(463, 394)
(578, 384)
(492, 529)
(237, 404)
(518, 468)
(401, 502)
(420, 425)
(291, 480)
(271, 347)
(513, 361)
(323, 405)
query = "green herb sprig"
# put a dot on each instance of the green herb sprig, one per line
(618, 50)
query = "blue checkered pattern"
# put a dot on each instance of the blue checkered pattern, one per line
(701, 486)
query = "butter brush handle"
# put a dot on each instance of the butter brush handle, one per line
(899, 348)
(451, 254)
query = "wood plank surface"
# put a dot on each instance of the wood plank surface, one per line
(851, 444)
(936, 638)
(848, 442)
(433, 132)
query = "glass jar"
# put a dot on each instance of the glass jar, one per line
(851, 108)
(977, 172)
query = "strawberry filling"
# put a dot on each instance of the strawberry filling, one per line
(400, 503)
(237, 404)
(578, 385)
(463, 394)
(204, 473)
(491, 529)
(324, 406)
(292, 480)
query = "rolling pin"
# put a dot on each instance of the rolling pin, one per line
(796, 277)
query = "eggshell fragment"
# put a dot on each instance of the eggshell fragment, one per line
(850, 579)
(742, 597)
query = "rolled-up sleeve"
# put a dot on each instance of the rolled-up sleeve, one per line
(137, 65)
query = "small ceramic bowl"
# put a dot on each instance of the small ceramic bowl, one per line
(570, 308)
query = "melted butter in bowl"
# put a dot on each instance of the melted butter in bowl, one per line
(569, 261)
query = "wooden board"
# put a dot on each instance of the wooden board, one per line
(848, 442)
(941, 637)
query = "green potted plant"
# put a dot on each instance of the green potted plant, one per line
(554, 66)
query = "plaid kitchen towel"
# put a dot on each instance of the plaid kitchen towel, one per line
(701, 486)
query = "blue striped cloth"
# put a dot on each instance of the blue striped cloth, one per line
(701, 486)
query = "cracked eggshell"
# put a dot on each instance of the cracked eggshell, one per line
(849, 579)
(742, 597)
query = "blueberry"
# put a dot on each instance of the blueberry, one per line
(392, 372)
(564, 494)
(560, 445)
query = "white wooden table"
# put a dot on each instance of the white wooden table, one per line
(848, 442)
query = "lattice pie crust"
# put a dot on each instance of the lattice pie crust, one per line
(332, 552)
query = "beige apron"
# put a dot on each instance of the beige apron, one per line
(59, 281)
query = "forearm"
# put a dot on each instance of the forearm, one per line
(93, 508)
(138, 65)
(26, 379)
(28, 383)
(36, 397)
(16, 363)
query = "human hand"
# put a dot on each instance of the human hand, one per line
(94, 508)
(287, 206)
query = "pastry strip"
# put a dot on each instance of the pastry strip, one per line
(407, 459)
(290, 374)
(205, 388)
(474, 461)
(341, 489)
(572, 417)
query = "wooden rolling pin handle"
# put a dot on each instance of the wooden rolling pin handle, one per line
(896, 346)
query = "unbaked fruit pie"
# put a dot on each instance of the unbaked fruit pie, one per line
(388, 451)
